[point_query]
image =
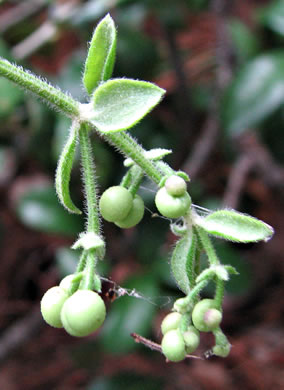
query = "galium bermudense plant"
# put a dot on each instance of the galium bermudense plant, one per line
(115, 106)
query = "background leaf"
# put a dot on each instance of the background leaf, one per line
(256, 91)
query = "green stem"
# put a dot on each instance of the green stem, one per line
(165, 168)
(126, 180)
(39, 87)
(219, 293)
(192, 296)
(208, 246)
(137, 176)
(82, 262)
(88, 282)
(130, 148)
(88, 170)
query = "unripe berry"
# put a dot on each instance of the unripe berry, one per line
(135, 214)
(173, 346)
(175, 185)
(222, 350)
(51, 306)
(83, 313)
(115, 203)
(191, 339)
(205, 319)
(171, 321)
(181, 305)
(66, 282)
(172, 206)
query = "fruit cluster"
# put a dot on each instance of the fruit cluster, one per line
(181, 330)
(80, 314)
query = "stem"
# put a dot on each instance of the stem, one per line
(191, 297)
(137, 175)
(130, 148)
(39, 87)
(88, 171)
(82, 262)
(219, 293)
(208, 247)
(90, 270)
(126, 179)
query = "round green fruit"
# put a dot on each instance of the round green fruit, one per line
(171, 321)
(175, 185)
(222, 350)
(191, 339)
(66, 283)
(83, 313)
(115, 203)
(51, 306)
(173, 346)
(172, 206)
(135, 214)
(206, 316)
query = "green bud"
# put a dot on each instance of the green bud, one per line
(51, 306)
(173, 346)
(171, 321)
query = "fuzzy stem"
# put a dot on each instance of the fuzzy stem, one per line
(219, 293)
(126, 180)
(130, 148)
(137, 175)
(88, 281)
(82, 262)
(39, 87)
(208, 246)
(88, 171)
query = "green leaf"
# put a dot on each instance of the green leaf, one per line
(39, 209)
(272, 16)
(236, 227)
(257, 91)
(64, 169)
(182, 261)
(101, 55)
(120, 103)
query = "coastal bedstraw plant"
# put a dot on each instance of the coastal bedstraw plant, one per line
(116, 105)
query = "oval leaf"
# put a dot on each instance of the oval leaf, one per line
(120, 103)
(63, 171)
(257, 91)
(101, 55)
(236, 227)
(182, 261)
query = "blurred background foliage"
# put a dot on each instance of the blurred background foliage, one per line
(222, 64)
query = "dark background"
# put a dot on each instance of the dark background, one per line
(222, 64)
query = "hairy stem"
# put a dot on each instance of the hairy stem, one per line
(89, 178)
(130, 148)
(208, 246)
(219, 293)
(137, 175)
(39, 87)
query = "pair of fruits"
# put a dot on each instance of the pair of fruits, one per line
(79, 314)
(205, 318)
(119, 206)
(172, 200)
(175, 344)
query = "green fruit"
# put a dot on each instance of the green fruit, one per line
(222, 350)
(83, 313)
(115, 203)
(135, 214)
(66, 283)
(175, 185)
(204, 318)
(171, 321)
(173, 346)
(172, 206)
(51, 305)
(191, 339)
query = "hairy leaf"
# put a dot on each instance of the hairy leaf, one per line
(101, 55)
(120, 103)
(236, 227)
(182, 261)
(63, 171)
